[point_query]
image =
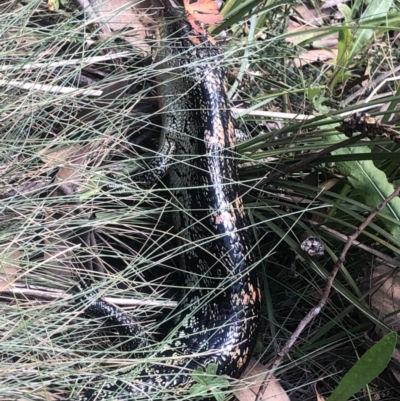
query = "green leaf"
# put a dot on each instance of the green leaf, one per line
(316, 97)
(371, 183)
(356, 8)
(199, 370)
(196, 389)
(344, 76)
(369, 366)
(201, 379)
(342, 59)
(219, 395)
(344, 45)
(376, 8)
(352, 41)
(312, 92)
(220, 381)
(346, 11)
(319, 104)
(236, 14)
(212, 369)
(199, 376)
(209, 382)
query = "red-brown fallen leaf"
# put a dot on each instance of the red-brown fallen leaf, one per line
(201, 5)
(202, 12)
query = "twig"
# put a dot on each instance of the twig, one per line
(324, 297)
(349, 99)
(64, 63)
(343, 238)
(45, 293)
(271, 114)
(50, 88)
(25, 188)
(254, 111)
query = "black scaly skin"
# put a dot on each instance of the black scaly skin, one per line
(219, 311)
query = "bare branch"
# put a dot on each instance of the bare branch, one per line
(324, 297)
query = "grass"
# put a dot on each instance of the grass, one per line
(48, 136)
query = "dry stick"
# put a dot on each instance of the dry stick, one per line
(23, 189)
(325, 293)
(343, 238)
(56, 89)
(45, 293)
(81, 63)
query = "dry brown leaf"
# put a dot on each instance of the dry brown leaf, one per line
(313, 56)
(58, 257)
(303, 34)
(294, 27)
(130, 16)
(9, 264)
(72, 161)
(328, 184)
(386, 299)
(396, 357)
(202, 12)
(55, 158)
(250, 385)
(324, 49)
(309, 15)
(331, 42)
(318, 396)
(396, 373)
